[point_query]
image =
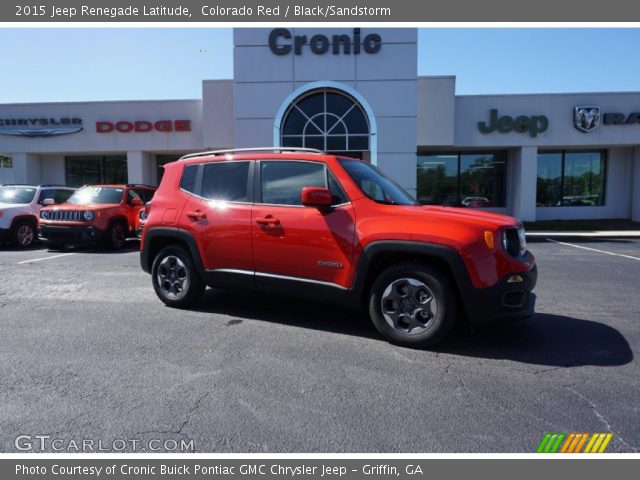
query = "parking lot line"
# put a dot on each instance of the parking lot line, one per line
(46, 258)
(593, 249)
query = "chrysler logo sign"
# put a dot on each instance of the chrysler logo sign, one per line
(39, 126)
(586, 119)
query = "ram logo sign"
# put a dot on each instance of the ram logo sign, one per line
(586, 119)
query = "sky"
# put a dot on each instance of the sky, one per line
(88, 64)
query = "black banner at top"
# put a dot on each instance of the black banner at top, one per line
(318, 11)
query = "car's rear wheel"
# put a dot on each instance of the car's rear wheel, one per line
(175, 278)
(412, 305)
(24, 234)
(116, 236)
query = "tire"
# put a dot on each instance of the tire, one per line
(116, 236)
(175, 278)
(412, 305)
(24, 234)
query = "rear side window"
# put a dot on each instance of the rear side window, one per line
(282, 182)
(226, 181)
(188, 181)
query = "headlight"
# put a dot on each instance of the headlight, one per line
(88, 215)
(142, 214)
(514, 241)
(522, 237)
(44, 214)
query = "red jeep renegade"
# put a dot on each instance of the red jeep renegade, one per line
(95, 213)
(300, 222)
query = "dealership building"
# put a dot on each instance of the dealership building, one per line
(354, 92)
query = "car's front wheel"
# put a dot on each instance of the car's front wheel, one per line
(412, 305)
(116, 236)
(175, 279)
(24, 235)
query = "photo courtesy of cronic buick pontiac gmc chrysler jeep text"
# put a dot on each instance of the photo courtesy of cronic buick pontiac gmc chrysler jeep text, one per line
(302, 222)
(106, 214)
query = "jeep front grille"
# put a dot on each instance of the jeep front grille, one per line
(64, 216)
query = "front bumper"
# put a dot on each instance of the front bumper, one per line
(504, 301)
(70, 234)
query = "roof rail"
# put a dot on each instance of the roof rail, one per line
(254, 149)
(139, 185)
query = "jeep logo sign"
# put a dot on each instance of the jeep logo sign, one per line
(522, 124)
(281, 42)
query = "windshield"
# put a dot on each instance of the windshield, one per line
(17, 194)
(375, 185)
(96, 195)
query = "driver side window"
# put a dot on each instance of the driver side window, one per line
(131, 195)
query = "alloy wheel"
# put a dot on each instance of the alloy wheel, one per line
(172, 277)
(409, 306)
(25, 235)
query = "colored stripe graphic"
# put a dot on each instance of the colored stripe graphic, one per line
(570, 439)
(605, 443)
(543, 443)
(574, 442)
(591, 442)
(550, 443)
(581, 443)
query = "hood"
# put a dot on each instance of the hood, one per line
(479, 217)
(74, 206)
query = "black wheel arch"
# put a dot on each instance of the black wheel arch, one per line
(379, 255)
(33, 220)
(156, 238)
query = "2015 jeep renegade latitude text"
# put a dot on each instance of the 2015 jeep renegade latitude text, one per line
(297, 222)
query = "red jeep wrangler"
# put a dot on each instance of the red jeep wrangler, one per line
(300, 222)
(95, 213)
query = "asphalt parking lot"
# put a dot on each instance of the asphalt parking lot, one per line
(89, 352)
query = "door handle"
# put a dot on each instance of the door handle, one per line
(197, 215)
(269, 221)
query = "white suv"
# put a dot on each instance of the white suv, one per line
(20, 209)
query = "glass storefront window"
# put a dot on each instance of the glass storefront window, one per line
(470, 179)
(91, 170)
(6, 169)
(571, 179)
(328, 120)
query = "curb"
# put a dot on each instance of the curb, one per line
(588, 234)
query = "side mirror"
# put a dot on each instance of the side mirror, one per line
(136, 202)
(316, 197)
(48, 201)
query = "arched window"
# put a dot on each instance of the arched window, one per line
(328, 120)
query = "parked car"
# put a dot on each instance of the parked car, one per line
(105, 214)
(304, 223)
(476, 202)
(20, 208)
